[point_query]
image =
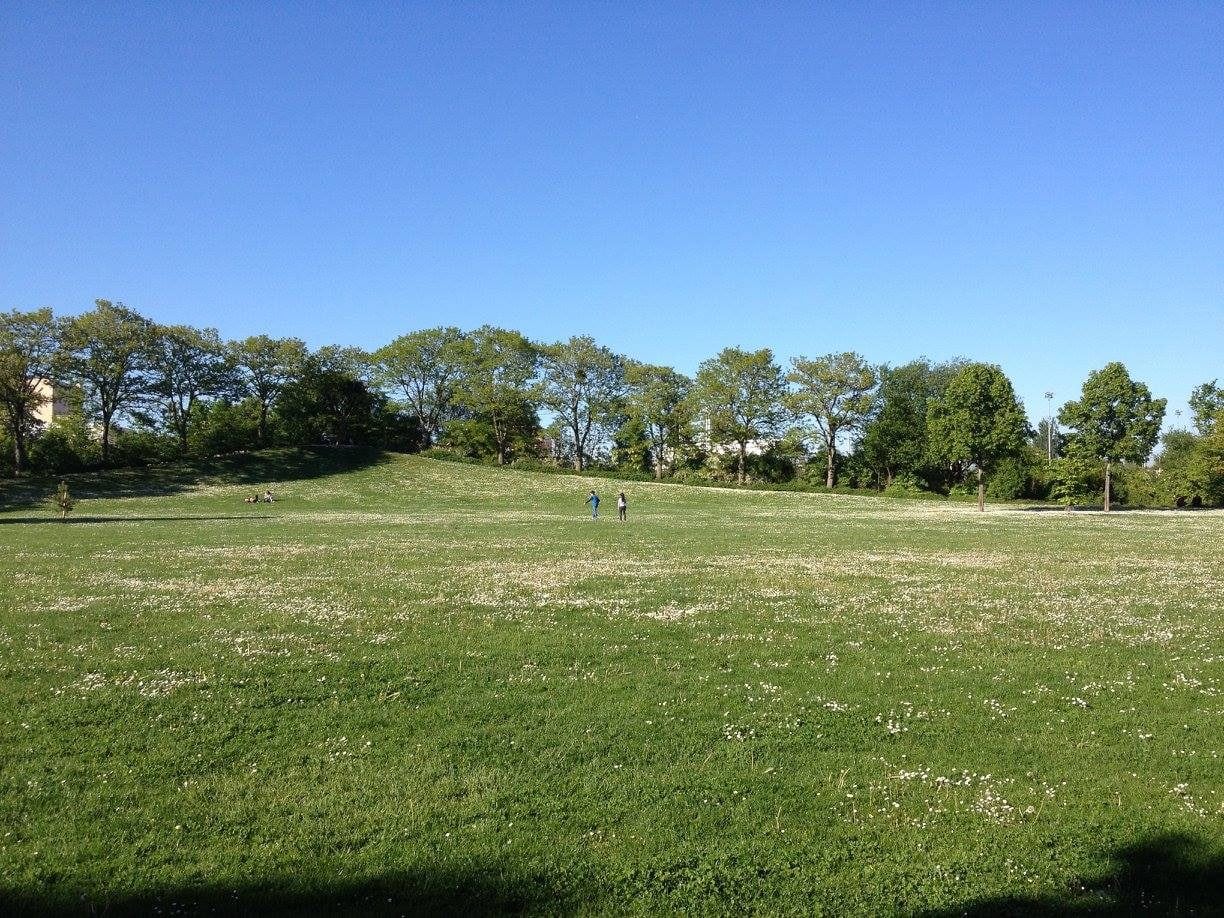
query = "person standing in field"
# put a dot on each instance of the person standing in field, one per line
(622, 507)
(593, 500)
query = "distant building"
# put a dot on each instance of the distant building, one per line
(704, 440)
(49, 406)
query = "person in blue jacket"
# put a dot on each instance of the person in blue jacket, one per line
(593, 500)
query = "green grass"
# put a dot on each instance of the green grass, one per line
(414, 686)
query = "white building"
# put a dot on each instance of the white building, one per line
(48, 408)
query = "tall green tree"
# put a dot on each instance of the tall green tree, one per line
(28, 344)
(425, 366)
(1207, 403)
(108, 353)
(584, 385)
(500, 383)
(1208, 461)
(739, 394)
(837, 393)
(1115, 420)
(978, 422)
(351, 361)
(188, 365)
(895, 441)
(324, 404)
(1176, 466)
(265, 366)
(658, 397)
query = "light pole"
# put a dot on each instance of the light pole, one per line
(1049, 396)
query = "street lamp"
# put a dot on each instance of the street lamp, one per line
(1049, 396)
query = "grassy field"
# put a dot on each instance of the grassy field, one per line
(411, 686)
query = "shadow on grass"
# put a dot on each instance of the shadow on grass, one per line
(77, 520)
(1088, 508)
(433, 892)
(1168, 875)
(258, 470)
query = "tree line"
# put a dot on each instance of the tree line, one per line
(133, 391)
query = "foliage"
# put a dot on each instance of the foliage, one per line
(28, 344)
(1208, 462)
(62, 500)
(478, 438)
(1115, 420)
(739, 396)
(1207, 404)
(658, 399)
(838, 393)
(188, 365)
(1048, 440)
(631, 450)
(353, 362)
(129, 391)
(1176, 476)
(978, 422)
(500, 387)
(108, 353)
(327, 405)
(895, 440)
(583, 383)
(57, 449)
(905, 484)
(265, 366)
(1075, 480)
(1013, 477)
(222, 426)
(426, 367)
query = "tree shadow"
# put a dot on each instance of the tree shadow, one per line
(265, 468)
(427, 892)
(1167, 875)
(78, 520)
(1170, 875)
(1096, 508)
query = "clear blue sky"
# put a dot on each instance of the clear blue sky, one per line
(1037, 186)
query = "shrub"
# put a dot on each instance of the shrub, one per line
(906, 484)
(1076, 481)
(62, 501)
(1009, 480)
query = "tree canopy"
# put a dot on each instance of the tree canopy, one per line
(739, 396)
(978, 421)
(837, 393)
(1116, 419)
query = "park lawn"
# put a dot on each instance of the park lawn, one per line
(412, 686)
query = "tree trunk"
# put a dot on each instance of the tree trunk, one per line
(743, 462)
(579, 442)
(981, 493)
(1108, 482)
(832, 454)
(263, 423)
(106, 425)
(19, 451)
(501, 454)
(658, 466)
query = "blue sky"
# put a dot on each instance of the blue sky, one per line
(1037, 186)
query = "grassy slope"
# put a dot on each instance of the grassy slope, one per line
(415, 685)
